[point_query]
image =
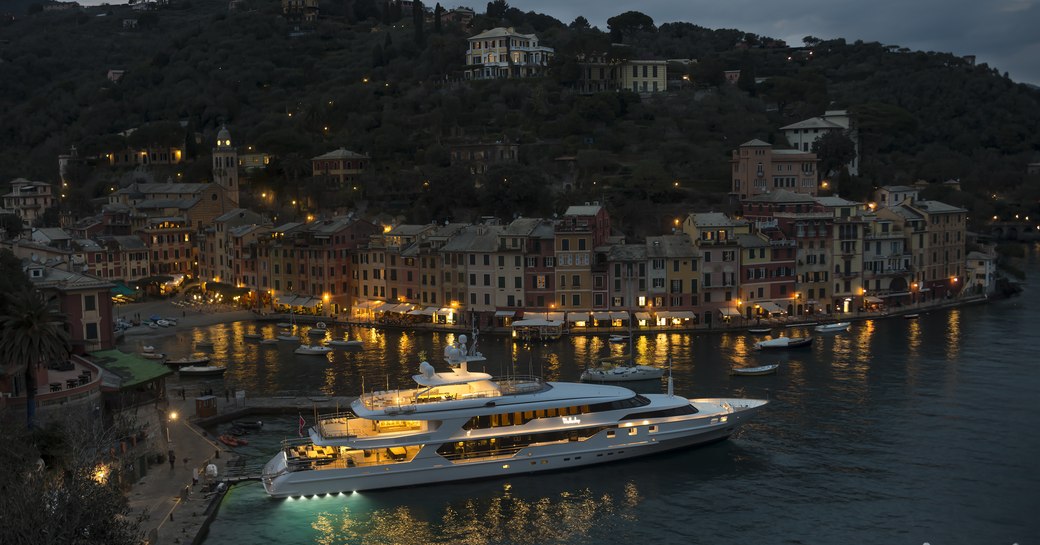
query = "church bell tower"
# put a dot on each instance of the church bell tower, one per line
(225, 165)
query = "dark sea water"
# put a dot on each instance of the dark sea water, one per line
(898, 431)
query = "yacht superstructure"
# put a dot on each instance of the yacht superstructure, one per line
(464, 425)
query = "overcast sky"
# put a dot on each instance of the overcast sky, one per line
(1003, 33)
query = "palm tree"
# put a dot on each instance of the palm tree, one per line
(32, 333)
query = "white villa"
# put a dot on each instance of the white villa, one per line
(504, 53)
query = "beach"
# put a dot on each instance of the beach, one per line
(186, 316)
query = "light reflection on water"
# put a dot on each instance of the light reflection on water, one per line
(876, 432)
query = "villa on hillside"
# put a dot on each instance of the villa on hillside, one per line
(504, 53)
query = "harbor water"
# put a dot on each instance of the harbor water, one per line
(897, 431)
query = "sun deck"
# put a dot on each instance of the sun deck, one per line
(407, 401)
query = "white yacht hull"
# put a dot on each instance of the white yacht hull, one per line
(428, 467)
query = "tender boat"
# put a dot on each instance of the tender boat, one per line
(755, 371)
(269, 342)
(460, 425)
(250, 424)
(783, 342)
(911, 316)
(285, 325)
(760, 330)
(153, 355)
(147, 349)
(620, 369)
(163, 323)
(252, 336)
(319, 330)
(339, 343)
(618, 339)
(312, 350)
(286, 338)
(202, 370)
(189, 360)
(232, 441)
(833, 328)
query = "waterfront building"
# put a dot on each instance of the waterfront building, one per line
(803, 134)
(850, 226)
(28, 200)
(891, 195)
(85, 300)
(218, 261)
(887, 273)
(300, 11)
(434, 278)
(938, 245)
(401, 264)
(715, 236)
(502, 53)
(766, 275)
(476, 246)
(674, 278)
(578, 233)
(626, 275)
(536, 237)
(759, 168)
(509, 275)
(802, 220)
(980, 273)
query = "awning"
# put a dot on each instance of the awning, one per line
(428, 311)
(369, 304)
(642, 316)
(446, 311)
(664, 314)
(535, 322)
(620, 316)
(505, 313)
(573, 317)
(308, 302)
(552, 316)
(684, 315)
(771, 307)
(601, 315)
(871, 299)
(399, 308)
(727, 311)
(900, 294)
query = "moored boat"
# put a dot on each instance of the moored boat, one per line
(312, 350)
(783, 342)
(617, 339)
(760, 330)
(755, 371)
(911, 316)
(465, 425)
(232, 441)
(319, 330)
(153, 355)
(833, 327)
(189, 360)
(253, 336)
(620, 369)
(202, 370)
(286, 338)
(341, 343)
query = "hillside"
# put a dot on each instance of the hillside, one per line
(369, 87)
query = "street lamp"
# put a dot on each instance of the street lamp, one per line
(172, 418)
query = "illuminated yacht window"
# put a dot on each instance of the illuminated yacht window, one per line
(633, 431)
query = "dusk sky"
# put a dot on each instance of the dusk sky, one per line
(1002, 33)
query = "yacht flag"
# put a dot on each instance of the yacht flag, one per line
(302, 424)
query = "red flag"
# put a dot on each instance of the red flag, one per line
(302, 424)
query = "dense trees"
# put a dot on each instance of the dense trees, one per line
(394, 91)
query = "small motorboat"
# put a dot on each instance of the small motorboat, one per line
(249, 424)
(153, 355)
(911, 316)
(340, 343)
(833, 327)
(147, 349)
(620, 369)
(755, 371)
(617, 339)
(202, 370)
(759, 330)
(319, 330)
(163, 323)
(189, 360)
(288, 338)
(312, 350)
(153, 325)
(285, 325)
(232, 441)
(783, 342)
(171, 321)
(269, 342)
(253, 336)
